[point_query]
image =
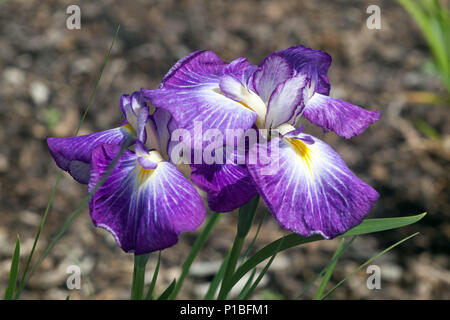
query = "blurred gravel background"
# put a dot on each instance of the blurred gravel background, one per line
(47, 73)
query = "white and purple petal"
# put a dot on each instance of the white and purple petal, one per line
(271, 72)
(145, 209)
(312, 191)
(342, 117)
(310, 62)
(136, 112)
(285, 101)
(73, 154)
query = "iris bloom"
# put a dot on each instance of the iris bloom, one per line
(312, 191)
(145, 202)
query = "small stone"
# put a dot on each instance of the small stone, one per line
(14, 76)
(4, 165)
(39, 92)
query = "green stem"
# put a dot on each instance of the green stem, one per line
(246, 216)
(231, 265)
(198, 244)
(137, 287)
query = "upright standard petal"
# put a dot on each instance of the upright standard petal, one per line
(272, 71)
(344, 118)
(312, 63)
(73, 154)
(191, 93)
(312, 191)
(144, 205)
(136, 112)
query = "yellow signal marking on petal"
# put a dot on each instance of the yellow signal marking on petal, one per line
(142, 175)
(129, 128)
(303, 151)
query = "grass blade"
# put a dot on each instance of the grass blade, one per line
(137, 286)
(247, 285)
(50, 201)
(13, 272)
(166, 294)
(75, 213)
(155, 276)
(250, 246)
(246, 216)
(198, 244)
(367, 262)
(217, 279)
(292, 240)
(263, 272)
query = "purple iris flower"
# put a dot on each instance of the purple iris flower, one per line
(312, 191)
(145, 201)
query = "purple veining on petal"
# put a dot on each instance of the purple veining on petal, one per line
(312, 191)
(311, 62)
(285, 100)
(191, 93)
(344, 118)
(69, 153)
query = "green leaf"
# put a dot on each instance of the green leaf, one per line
(166, 294)
(9, 292)
(250, 246)
(246, 211)
(434, 22)
(216, 280)
(367, 262)
(292, 240)
(427, 130)
(263, 272)
(382, 224)
(137, 286)
(247, 285)
(155, 276)
(246, 216)
(321, 273)
(329, 271)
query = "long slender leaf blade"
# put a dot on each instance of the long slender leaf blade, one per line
(329, 271)
(14, 270)
(263, 272)
(247, 285)
(322, 272)
(55, 187)
(166, 294)
(155, 276)
(382, 224)
(292, 240)
(367, 262)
